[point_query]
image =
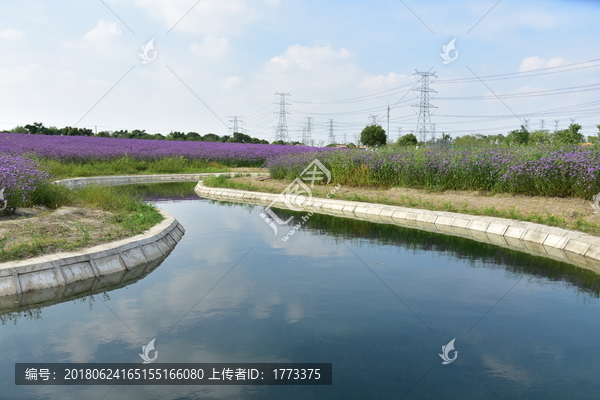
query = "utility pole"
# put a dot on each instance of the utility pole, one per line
(542, 123)
(433, 132)
(282, 130)
(399, 131)
(96, 129)
(424, 127)
(388, 121)
(345, 141)
(331, 138)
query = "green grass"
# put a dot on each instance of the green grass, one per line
(130, 217)
(130, 166)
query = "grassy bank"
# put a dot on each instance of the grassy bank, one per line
(422, 202)
(94, 215)
(129, 166)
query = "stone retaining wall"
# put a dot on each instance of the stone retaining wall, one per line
(62, 269)
(572, 247)
(75, 183)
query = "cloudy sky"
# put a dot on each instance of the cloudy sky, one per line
(69, 62)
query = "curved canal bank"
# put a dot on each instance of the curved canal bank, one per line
(62, 269)
(576, 248)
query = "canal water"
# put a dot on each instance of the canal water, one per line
(376, 301)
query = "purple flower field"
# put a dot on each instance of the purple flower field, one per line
(84, 149)
(570, 171)
(19, 177)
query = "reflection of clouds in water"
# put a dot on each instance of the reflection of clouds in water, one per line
(510, 372)
(142, 392)
(159, 308)
(262, 309)
(294, 313)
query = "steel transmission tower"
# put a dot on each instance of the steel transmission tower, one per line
(282, 129)
(235, 123)
(556, 124)
(526, 124)
(306, 132)
(424, 127)
(373, 119)
(542, 123)
(331, 138)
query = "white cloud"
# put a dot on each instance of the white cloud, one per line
(103, 32)
(230, 82)
(379, 81)
(10, 34)
(307, 58)
(207, 17)
(535, 62)
(212, 46)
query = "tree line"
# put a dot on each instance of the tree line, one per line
(375, 136)
(38, 128)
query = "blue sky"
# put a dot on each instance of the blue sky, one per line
(76, 62)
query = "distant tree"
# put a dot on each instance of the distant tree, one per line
(137, 134)
(519, 137)
(469, 140)
(176, 136)
(373, 136)
(241, 138)
(446, 137)
(408, 140)
(19, 129)
(211, 137)
(121, 134)
(496, 139)
(351, 145)
(193, 136)
(103, 134)
(158, 136)
(36, 129)
(539, 137)
(225, 138)
(570, 135)
(278, 142)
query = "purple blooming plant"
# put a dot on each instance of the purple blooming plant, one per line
(86, 149)
(570, 171)
(19, 177)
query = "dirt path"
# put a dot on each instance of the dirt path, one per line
(572, 210)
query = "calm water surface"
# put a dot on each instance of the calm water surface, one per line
(376, 301)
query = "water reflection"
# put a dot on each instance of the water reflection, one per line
(29, 305)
